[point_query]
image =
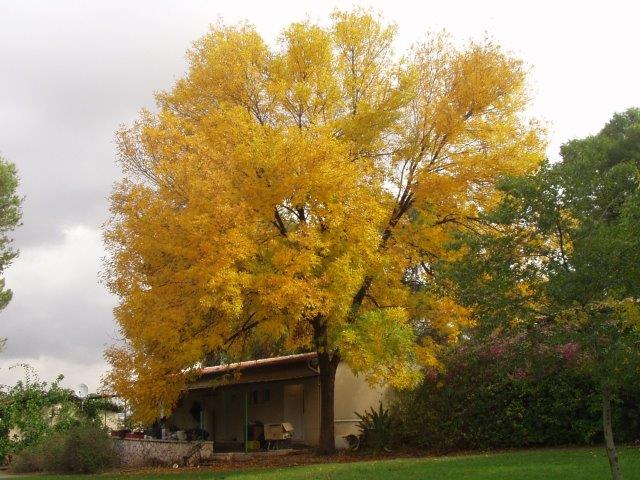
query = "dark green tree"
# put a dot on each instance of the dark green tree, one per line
(10, 215)
(563, 252)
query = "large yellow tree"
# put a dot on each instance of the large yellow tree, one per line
(296, 196)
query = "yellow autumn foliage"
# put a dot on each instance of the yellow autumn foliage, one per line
(281, 195)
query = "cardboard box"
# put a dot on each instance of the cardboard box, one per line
(278, 431)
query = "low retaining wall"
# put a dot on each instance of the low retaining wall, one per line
(138, 452)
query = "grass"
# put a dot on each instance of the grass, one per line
(558, 464)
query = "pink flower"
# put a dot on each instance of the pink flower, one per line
(520, 374)
(497, 350)
(568, 350)
(431, 375)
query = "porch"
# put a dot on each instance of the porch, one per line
(231, 405)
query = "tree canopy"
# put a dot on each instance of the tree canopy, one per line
(564, 260)
(10, 215)
(299, 196)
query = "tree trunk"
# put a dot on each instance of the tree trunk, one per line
(616, 473)
(328, 366)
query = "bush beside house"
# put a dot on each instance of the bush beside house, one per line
(44, 426)
(83, 448)
(30, 410)
(485, 401)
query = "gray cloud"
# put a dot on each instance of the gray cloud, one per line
(75, 73)
(58, 305)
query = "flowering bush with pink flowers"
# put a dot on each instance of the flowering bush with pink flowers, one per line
(510, 391)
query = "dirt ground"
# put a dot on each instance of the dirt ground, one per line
(292, 459)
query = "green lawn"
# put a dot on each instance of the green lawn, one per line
(578, 464)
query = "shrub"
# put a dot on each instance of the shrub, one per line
(32, 410)
(486, 400)
(29, 460)
(83, 448)
(87, 449)
(35, 409)
(376, 429)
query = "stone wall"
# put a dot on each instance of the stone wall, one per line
(133, 452)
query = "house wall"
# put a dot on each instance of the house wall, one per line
(312, 410)
(111, 420)
(273, 412)
(181, 417)
(353, 394)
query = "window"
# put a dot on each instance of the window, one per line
(266, 395)
(254, 397)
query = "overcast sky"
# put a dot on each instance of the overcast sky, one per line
(71, 72)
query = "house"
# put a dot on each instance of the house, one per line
(227, 398)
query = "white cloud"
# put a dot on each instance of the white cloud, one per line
(52, 268)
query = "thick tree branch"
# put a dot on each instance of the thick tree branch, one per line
(279, 223)
(563, 255)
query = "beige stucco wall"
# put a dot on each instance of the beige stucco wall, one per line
(311, 410)
(111, 420)
(353, 394)
(181, 416)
